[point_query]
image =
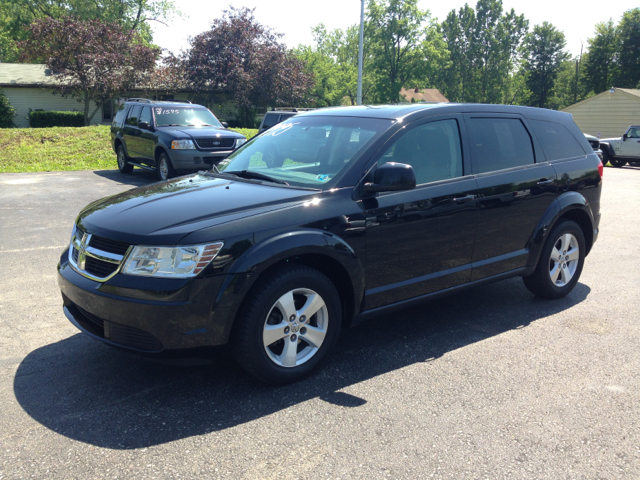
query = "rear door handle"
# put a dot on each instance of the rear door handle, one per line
(464, 199)
(544, 182)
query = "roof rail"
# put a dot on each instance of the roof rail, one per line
(146, 100)
(291, 109)
(174, 101)
(143, 100)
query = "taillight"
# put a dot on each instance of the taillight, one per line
(601, 169)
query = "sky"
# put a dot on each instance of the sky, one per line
(296, 18)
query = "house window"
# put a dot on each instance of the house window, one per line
(107, 111)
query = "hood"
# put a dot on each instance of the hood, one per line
(163, 213)
(193, 132)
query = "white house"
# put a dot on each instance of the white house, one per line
(31, 86)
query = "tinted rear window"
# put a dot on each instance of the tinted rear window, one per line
(500, 143)
(556, 140)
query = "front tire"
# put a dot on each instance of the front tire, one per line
(616, 162)
(164, 169)
(288, 324)
(123, 160)
(560, 263)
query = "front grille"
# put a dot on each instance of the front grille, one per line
(133, 338)
(210, 142)
(98, 268)
(595, 144)
(111, 246)
(120, 334)
(74, 254)
(90, 317)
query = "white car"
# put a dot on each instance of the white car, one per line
(619, 151)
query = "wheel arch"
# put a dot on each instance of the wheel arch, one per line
(568, 206)
(320, 250)
(607, 148)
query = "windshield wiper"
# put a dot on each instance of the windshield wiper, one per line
(198, 125)
(256, 176)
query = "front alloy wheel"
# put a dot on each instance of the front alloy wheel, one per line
(295, 328)
(287, 325)
(164, 169)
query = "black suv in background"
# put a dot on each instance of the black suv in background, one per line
(170, 136)
(332, 217)
(275, 116)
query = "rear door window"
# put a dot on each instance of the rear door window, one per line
(134, 113)
(500, 143)
(556, 140)
(270, 120)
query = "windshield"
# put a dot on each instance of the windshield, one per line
(184, 116)
(306, 151)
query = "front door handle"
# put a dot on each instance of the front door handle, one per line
(464, 199)
(544, 182)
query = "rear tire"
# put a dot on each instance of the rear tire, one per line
(288, 324)
(560, 263)
(164, 169)
(123, 161)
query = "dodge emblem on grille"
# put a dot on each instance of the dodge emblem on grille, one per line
(82, 251)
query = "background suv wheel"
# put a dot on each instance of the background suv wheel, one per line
(164, 169)
(123, 160)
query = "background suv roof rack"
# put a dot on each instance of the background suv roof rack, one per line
(146, 100)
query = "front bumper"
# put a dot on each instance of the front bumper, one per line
(145, 315)
(197, 159)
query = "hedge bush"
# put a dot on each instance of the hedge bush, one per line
(48, 119)
(7, 112)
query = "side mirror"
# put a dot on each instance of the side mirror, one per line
(225, 124)
(624, 137)
(144, 125)
(392, 177)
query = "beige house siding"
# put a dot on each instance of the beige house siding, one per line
(22, 99)
(607, 113)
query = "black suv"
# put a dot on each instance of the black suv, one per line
(359, 211)
(169, 136)
(274, 117)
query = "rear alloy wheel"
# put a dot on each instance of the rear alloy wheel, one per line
(616, 162)
(123, 161)
(164, 169)
(288, 324)
(560, 263)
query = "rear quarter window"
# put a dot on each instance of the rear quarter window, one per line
(269, 120)
(556, 140)
(117, 121)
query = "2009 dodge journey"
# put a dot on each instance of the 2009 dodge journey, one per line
(331, 217)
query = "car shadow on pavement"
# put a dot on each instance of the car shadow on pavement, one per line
(137, 178)
(92, 393)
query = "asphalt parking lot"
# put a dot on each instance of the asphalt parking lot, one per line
(489, 384)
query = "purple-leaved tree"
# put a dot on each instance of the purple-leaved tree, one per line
(245, 59)
(93, 61)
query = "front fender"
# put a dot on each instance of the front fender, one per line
(247, 268)
(560, 207)
(606, 147)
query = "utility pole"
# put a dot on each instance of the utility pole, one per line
(359, 99)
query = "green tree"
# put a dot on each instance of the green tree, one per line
(544, 52)
(483, 45)
(602, 60)
(398, 35)
(628, 72)
(7, 112)
(134, 15)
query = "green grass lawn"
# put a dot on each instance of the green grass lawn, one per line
(61, 148)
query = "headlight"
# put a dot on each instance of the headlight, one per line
(182, 145)
(174, 262)
(240, 141)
